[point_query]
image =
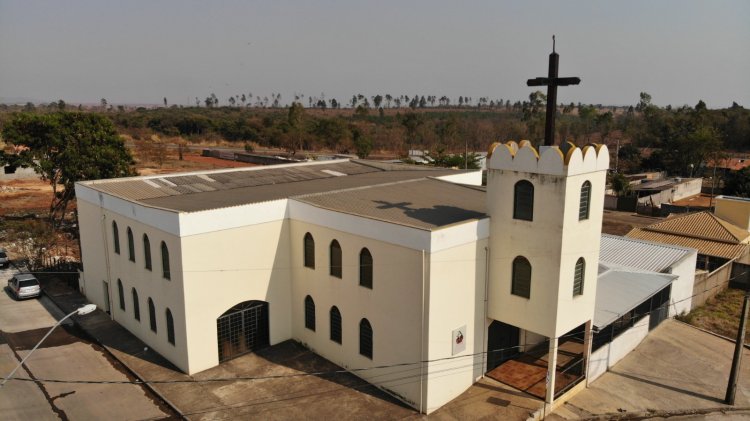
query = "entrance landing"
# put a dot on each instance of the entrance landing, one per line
(528, 371)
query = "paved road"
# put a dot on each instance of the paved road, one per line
(66, 354)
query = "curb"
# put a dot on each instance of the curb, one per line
(645, 415)
(124, 364)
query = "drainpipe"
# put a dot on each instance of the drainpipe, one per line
(106, 261)
(421, 343)
(486, 301)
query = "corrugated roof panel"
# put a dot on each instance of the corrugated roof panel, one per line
(618, 291)
(706, 247)
(640, 254)
(703, 225)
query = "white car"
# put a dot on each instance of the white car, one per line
(24, 285)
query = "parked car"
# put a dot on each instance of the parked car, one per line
(24, 285)
(4, 259)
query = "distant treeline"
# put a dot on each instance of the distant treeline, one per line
(680, 140)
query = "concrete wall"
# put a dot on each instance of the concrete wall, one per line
(610, 354)
(456, 294)
(687, 188)
(225, 268)
(682, 287)
(708, 285)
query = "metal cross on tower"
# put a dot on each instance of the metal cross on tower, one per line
(552, 81)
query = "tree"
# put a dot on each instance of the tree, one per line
(165, 101)
(620, 184)
(737, 183)
(362, 143)
(64, 148)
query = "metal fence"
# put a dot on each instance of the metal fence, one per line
(242, 329)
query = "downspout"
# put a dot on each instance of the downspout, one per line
(486, 301)
(106, 260)
(421, 344)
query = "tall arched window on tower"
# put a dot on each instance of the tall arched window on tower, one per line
(309, 313)
(309, 251)
(583, 209)
(578, 276)
(147, 251)
(131, 246)
(121, 295)
(523, 201)
(365, 338)
(521, 277)
(335, 324)
(170, 327)
(152, 314)
(116, 237)
(136, 305)
(165, 272)
(365, 268)
(335, 252)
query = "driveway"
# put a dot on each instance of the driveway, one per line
(64, 355)
(676, 368)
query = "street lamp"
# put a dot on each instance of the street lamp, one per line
(88, 308)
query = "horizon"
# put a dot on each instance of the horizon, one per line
(138, 53)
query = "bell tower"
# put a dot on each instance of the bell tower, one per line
(545, 212)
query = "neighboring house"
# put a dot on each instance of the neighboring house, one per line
(717, 240)
(668, 190)
(418, 272)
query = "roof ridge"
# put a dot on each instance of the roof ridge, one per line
(659, 227)
(652, 243)
(725, 225)
(323, 193)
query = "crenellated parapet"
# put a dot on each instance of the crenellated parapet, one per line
(567, 159)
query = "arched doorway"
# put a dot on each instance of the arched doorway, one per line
(242, 329)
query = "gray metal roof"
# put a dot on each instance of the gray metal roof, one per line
(225, 188)
(620, 289)
(422, 203)
(640, 254)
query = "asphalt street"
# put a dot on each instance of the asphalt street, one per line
(67, 354)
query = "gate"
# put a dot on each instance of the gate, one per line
(242, 329)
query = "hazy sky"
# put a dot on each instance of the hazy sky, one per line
(141, 51)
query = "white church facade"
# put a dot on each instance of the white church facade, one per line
(422, 273)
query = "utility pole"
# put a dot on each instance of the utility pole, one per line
(738, 348)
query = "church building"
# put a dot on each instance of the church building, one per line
(419, 280)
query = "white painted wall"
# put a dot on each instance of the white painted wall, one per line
(228, 267)
(97, 251)
(473, 178)
(456, 299)
(608, 355)
(682, 287)
(393, 307)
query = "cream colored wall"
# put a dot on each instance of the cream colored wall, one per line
(97, 248)
(735, 211)
(225, 268)
(393, 306)
(682, 287)
(456, 294)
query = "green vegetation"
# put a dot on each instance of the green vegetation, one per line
(64, 148)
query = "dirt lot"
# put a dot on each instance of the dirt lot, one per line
(720, 314)
(620, 223)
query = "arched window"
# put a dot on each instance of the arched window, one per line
(521, 280)
(578, 276)
(583, 208)
(365, 338)
(136, 305)
(131, 246)
(309, 251)
(365, 268)
(147, 251)
(152, 314)
(309, 313)
(523, 201)
(121, 295)
(335, 324)
(165, 261)
(170, 327)
(116, 237)
(335, 251)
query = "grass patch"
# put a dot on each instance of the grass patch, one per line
(720, 314)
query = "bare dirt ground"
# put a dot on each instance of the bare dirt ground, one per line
(620, 223)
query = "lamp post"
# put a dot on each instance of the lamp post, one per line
(88, 308)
